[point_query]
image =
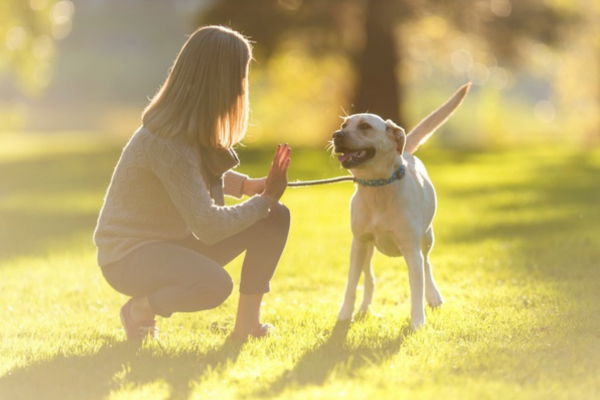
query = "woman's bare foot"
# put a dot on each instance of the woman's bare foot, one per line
(247, 323)
(137, 329)
(259, 331)
(140, 309)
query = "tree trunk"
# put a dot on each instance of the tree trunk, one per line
(377, 88)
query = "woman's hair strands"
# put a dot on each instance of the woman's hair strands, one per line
(205, 96)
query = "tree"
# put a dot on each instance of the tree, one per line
(377, 51)
(29, 30)
(326, 27)
(377, 88)
(506, 24)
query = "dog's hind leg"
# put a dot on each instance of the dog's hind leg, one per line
(360, 255)
(432, 293)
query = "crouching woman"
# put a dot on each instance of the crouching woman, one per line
(164, 235)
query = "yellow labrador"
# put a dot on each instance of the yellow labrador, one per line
(394, 203)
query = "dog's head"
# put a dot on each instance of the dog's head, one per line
(366, 139)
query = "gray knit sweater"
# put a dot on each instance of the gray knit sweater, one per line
(157, 193)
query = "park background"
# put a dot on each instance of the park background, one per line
(516, 169)
(90, 66)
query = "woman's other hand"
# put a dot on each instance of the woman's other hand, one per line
(276, 181)
(253, 187)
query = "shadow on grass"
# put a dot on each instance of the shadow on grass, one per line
(552, 219)
(116, 366)
(333, 356)
(126, 366)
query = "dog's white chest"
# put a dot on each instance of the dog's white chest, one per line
(386, 243)
(379, 228)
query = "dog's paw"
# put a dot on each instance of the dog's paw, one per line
(434, 297)
(416, 326)
(345, 314)
(364, 309)
(363, 313)
(344, 317)
(417, 323)
(434, 300)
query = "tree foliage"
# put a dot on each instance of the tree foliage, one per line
(29, 30)
(366, 32)
(506, 24)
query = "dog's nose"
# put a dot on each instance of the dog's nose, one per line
(338, 134)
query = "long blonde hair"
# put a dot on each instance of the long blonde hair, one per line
(205, 95)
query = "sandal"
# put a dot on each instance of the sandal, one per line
(137, 331)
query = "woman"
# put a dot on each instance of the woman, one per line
(163, 235)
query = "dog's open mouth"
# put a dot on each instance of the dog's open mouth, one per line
(352, 158)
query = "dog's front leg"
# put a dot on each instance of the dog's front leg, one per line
(360, 255)
(369, 281)
(414, 259)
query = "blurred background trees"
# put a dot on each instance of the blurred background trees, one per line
(30, 30)
(361, 31)
(365, 31)
(533, 63)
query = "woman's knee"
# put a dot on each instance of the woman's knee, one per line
(220, 288)
(280, 216)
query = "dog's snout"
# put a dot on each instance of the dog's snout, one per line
(338, 134)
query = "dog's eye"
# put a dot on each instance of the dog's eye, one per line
(344, 125)
(364, 125)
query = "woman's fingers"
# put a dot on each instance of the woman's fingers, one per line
(286, 159)
(276, 181)
(285, 156)
(277, 151)
(282, 153)
(286, 165)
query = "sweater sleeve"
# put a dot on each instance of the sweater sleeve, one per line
(234, 183)
(177, 166)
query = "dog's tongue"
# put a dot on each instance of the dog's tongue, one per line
(344, 157)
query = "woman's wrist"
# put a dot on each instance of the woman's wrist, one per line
(253, 186)
(271, 200)
(246, 186)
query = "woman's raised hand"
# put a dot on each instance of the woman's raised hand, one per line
(277, 178)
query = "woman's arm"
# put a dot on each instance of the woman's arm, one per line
(177, 166)
(253, 187)
(238, 185)
(234, 184)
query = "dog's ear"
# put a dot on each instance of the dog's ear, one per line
(398, 133)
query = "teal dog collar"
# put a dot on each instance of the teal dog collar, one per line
(397, 175)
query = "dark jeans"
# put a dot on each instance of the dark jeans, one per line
(188, 275)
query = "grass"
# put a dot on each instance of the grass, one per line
(517, 259)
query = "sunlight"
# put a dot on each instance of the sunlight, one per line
(517, 245)
(501, 8)
(61, 15)
(15, 38)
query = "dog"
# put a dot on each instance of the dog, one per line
(394, 203)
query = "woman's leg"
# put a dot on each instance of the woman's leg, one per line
(263, 255)
(188, 276)
(264, 243)
(166, 278)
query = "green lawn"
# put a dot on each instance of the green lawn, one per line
(517, 260)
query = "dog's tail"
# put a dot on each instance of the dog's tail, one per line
(419, 134)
